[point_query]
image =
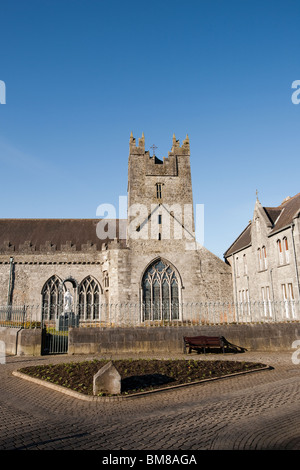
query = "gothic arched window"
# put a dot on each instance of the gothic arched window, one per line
(89, 299)
(50, 298)
(265, 259)
(160, 292)
(279, 250)
(286, 250)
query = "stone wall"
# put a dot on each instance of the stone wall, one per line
(165, 340)
(203, 276)
(174, 176)
(259, 337)
(256, 278)
(30, 273)
(21, 341)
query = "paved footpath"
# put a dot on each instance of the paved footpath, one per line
(255, 411)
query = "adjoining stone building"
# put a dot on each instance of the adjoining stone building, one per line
(265, 258)
(151, 260)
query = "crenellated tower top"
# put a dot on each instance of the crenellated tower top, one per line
(183, 150)
(159, 186)
(176, 149)
(133, 148)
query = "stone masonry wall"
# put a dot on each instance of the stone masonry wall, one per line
(274, 274)
(30, 273)
(257, 337)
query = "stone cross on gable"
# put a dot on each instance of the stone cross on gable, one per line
(153, 147)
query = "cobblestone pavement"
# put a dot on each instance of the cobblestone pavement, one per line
(258, 410)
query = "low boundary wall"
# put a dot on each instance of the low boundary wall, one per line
(19, 341)
(254, 337)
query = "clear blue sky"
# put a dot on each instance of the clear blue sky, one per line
(81, 75)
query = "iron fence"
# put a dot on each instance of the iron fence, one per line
(119, 315)
(19, 316)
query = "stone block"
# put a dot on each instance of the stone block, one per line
(107, 380)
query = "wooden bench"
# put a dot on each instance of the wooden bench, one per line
(202, 343)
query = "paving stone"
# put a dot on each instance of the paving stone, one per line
(255, 411)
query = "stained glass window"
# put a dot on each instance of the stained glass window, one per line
(160, 292)
(89, 299)
(50, 298)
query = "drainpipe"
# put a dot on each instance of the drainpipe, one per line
(271, 282)
(235, 287)
(272, 293)
(11, 261)
(295, 259)
(248, 286)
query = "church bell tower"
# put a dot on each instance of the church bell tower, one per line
(160, 198)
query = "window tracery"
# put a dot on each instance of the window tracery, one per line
(160, 290)
(89, 299)
(50, 298)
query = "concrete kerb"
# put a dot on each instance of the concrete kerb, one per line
(102, 399)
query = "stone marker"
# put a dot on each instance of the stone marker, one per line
(107, 380)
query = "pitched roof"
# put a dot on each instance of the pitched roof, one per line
(38, 234)
(287, 211)
(280, 217)
(243, 240)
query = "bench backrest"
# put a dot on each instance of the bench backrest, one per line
(203, 340)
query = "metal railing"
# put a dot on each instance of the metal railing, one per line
(19, 316)
(118, 315)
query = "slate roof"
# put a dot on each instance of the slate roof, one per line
(243, 240)
(280, 217)
(38, 233)
(288, 210)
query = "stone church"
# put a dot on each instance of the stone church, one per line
(151, 259)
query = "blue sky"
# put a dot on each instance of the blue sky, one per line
(81, 75)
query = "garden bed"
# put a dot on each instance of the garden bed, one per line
(138, 375)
